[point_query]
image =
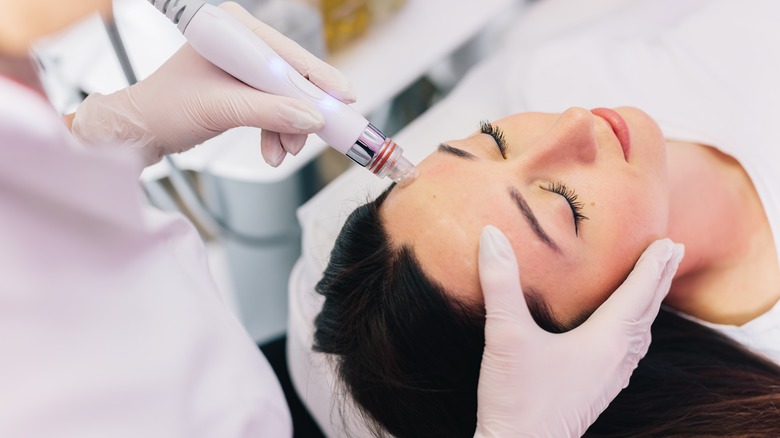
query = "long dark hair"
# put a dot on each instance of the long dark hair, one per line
(409, 355)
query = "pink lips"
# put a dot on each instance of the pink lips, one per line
(619, 127)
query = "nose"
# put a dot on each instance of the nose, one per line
(571, 139)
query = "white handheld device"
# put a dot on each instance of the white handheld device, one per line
(229, 45)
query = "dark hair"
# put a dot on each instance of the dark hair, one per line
(409, 355)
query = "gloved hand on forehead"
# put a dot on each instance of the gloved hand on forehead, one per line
(534, 383)
(188, 100)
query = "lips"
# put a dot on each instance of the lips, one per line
(619, 127)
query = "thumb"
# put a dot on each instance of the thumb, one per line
(500, 280)
(639, 297)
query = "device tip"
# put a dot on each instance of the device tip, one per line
(409, 178)
(403, 172)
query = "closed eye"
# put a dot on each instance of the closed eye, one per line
(494, 131)
(571, 197)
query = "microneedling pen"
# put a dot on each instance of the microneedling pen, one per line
(229, 45)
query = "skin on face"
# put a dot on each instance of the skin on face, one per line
(24, 21)
(625, 199)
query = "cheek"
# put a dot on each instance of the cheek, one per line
(628, 223)
(637, 218)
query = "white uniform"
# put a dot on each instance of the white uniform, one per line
(110, 323)
(707, 71)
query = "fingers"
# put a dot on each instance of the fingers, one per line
(292, 143)
(271, 148)
(500, 279)
(248, 107)
(275, 146)
(295, 117)
(317, 71)
(639, 298)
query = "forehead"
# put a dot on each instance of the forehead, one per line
(442, 214)
(442, 224)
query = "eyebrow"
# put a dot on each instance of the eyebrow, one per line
(531, 218)
(447, 149)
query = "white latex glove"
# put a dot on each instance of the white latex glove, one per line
(188, 100)
(538, 384)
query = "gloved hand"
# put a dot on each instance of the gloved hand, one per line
(538, 384)
(188, 100)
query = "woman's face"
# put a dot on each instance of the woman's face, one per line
(580, 195)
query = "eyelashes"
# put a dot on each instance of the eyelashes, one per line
(571, 197)
(494, 131)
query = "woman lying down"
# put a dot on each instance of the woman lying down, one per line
(580, 195)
